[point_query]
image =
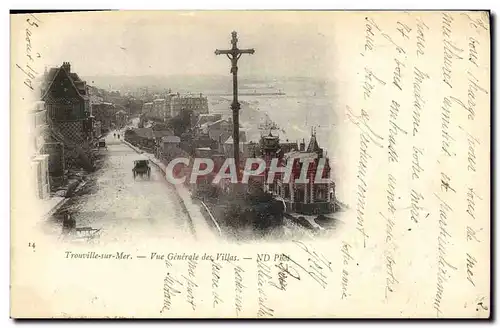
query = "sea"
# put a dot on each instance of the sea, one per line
(297, 106)
(304, 106)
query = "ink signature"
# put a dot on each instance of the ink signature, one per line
(317, 265)
(283, 274)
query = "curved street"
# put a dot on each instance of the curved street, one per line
(123, 208)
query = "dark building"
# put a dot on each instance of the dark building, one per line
(68, 112)
(67, 102)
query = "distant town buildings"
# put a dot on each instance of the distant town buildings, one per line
(160, 110)
(121, 118)
(172, 105)
(94, 97)
(147, 111)
(197, 104)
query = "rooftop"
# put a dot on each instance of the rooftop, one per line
(163, 133)
(230, 141)
(144, 132)
(300, 155)
(171, 139)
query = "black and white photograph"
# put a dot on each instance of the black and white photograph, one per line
(216, 164)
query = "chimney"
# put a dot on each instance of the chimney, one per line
(67, 67)
(302, 146)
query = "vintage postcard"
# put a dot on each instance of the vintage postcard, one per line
(250, 164)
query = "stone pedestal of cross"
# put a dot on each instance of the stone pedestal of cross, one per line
(234, 54)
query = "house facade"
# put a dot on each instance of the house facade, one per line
(219, 130)
(301, 197)
(160, 109)
(197, 104)
(147, 110)
(172, 105)
(67, 102)
(69, 119)
(169, 148)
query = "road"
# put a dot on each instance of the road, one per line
(127, 210)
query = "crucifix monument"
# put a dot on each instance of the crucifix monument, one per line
(234, 54)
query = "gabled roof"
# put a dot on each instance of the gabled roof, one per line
(75, 77)
(171, 139)
(163, 133)
(144, 132)
(81, 86)
(313, 145)
(205, 118)
(51, 76)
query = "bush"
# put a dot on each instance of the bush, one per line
(251, 212)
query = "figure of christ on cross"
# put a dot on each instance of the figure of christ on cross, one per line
(234, 54)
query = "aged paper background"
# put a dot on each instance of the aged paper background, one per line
(412, 146)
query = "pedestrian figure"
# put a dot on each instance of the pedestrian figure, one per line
(114, 135)
(69, 224)
(118, 136)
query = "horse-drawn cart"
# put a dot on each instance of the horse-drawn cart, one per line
(102, 144)
(141, 168)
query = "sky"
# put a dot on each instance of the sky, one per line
(179, 43)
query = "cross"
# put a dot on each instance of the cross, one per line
(234, 54)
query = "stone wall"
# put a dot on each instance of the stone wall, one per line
(56, 158)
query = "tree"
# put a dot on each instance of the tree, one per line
(157, 126)
(181, 123)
